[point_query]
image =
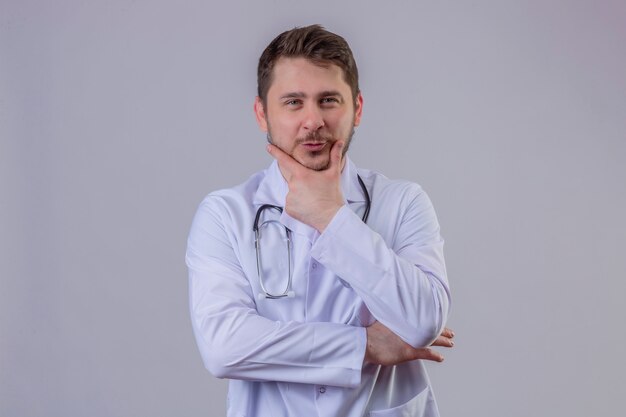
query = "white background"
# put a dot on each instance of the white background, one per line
(117, 117)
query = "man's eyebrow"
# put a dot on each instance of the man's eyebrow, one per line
(299, 94)
(328, 93)
(295, 94)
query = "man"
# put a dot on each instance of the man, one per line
(316, 286)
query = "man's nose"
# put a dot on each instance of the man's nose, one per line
(313, 119)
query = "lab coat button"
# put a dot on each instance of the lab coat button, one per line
(314, 265)
(322, 390)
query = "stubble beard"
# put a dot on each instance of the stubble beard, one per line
(316, 137)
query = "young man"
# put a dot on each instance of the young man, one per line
(315, 286)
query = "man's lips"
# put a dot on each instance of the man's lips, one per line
(314, 146)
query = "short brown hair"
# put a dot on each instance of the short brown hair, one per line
(311, 42)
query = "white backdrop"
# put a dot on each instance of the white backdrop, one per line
(117, 117)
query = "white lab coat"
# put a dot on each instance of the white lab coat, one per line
(303, 356)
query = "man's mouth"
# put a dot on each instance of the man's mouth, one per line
(314, 146)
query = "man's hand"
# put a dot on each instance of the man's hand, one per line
(314, 196)
(385, 348)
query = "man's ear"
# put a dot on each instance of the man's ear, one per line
(358, 109)
(259, 112)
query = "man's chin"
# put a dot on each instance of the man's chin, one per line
(320, 167)
(317, 163)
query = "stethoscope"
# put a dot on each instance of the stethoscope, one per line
(288, 292)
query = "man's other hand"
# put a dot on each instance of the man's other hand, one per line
(385, 348)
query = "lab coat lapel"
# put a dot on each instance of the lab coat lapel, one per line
(350, 186)
(352, 191)
(272, 188)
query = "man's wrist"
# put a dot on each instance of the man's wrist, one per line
(326, 218)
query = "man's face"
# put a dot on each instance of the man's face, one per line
(308, 108)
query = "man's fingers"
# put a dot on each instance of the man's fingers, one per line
(287, 164)
(447, 332)
(445, 338)
(336, 154)
(427, 354)
(443, 341)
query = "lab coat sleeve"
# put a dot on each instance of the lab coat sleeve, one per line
(235, 341)
(402, 281)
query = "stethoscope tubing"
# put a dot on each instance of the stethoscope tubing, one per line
(257, 245)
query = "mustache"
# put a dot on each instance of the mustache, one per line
(314, 137)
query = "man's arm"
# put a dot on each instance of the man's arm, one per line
(235, 341)
(385, 347)
(405, 286)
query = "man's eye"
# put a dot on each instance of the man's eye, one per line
(292, 102)
(330, 100)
